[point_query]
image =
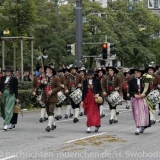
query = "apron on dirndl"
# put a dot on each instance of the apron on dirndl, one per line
(7, 105)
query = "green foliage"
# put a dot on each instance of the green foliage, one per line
(24, 85)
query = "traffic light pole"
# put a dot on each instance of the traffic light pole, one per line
(78, 33)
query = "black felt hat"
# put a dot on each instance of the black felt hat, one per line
(111, 67)
(7, 69)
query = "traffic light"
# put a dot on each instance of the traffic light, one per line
(111, 50)
(71, 48)
(104, 50)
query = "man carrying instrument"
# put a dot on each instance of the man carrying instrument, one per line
(37, 91)
(110, 84)
(101, 75)
(155, 85)
(63, 89)
(74, 81)
(82, 72)
(69, 110)
(50, 87)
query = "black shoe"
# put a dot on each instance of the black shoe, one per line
(71, 115)
(117, 113)
(75, 120)
(115, 121)
(88, 131)
(60, 117)
(45, 118)
(127, 107)
(13, 126)
(81, 114)
(97, 128)
(66, 116)
(57, 117)
(159, 113)
(153, 122)
(53, 127)
(142, 130)
(48, 129)
(111, 121)
(41, 120)
(136, 133)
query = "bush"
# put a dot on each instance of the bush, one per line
(27, 100)
(24, 85)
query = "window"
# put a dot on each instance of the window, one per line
(155, 3)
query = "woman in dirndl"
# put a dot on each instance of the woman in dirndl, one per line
(91, 89)
(9, 92)
(139, 106)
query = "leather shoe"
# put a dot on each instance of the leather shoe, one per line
(96, 129)
(12, 126)
(111, 121)
(71, 115)
(136, 133)
(60, 117)
(66, 116)
(48, 129)
(159, 113)
(88, 131)
(53, 127)
(117, 113)
(45, 119)
(81, 114)
(57, 117)
(75, 120)
(41, 120)
(115, 121)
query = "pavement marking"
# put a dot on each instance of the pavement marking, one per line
(85, 137)
(86, 117)
(8, 158)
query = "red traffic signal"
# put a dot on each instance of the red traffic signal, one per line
(104, 45)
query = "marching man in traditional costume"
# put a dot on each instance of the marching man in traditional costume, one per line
(74, 81)
(101, 75)
(82, 72)
(139, 106)
(154, 85)
(63, 89)
(125, 88)
(50, 87)
(110, 84)
(91, 90)
(69, 110)
(37, 91)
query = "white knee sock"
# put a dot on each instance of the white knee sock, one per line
(115, 116)
(81, 109)
(42, 112)
(151, 115)
(50, 121)
(76, 112)
(68, 109)
(101, 109)
(113, 112)
(71, 110)
(59, 111)
(46, 115)
(154, 118)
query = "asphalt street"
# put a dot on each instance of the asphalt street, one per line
(69, 140)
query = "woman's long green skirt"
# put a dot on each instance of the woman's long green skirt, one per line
(7, 106)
